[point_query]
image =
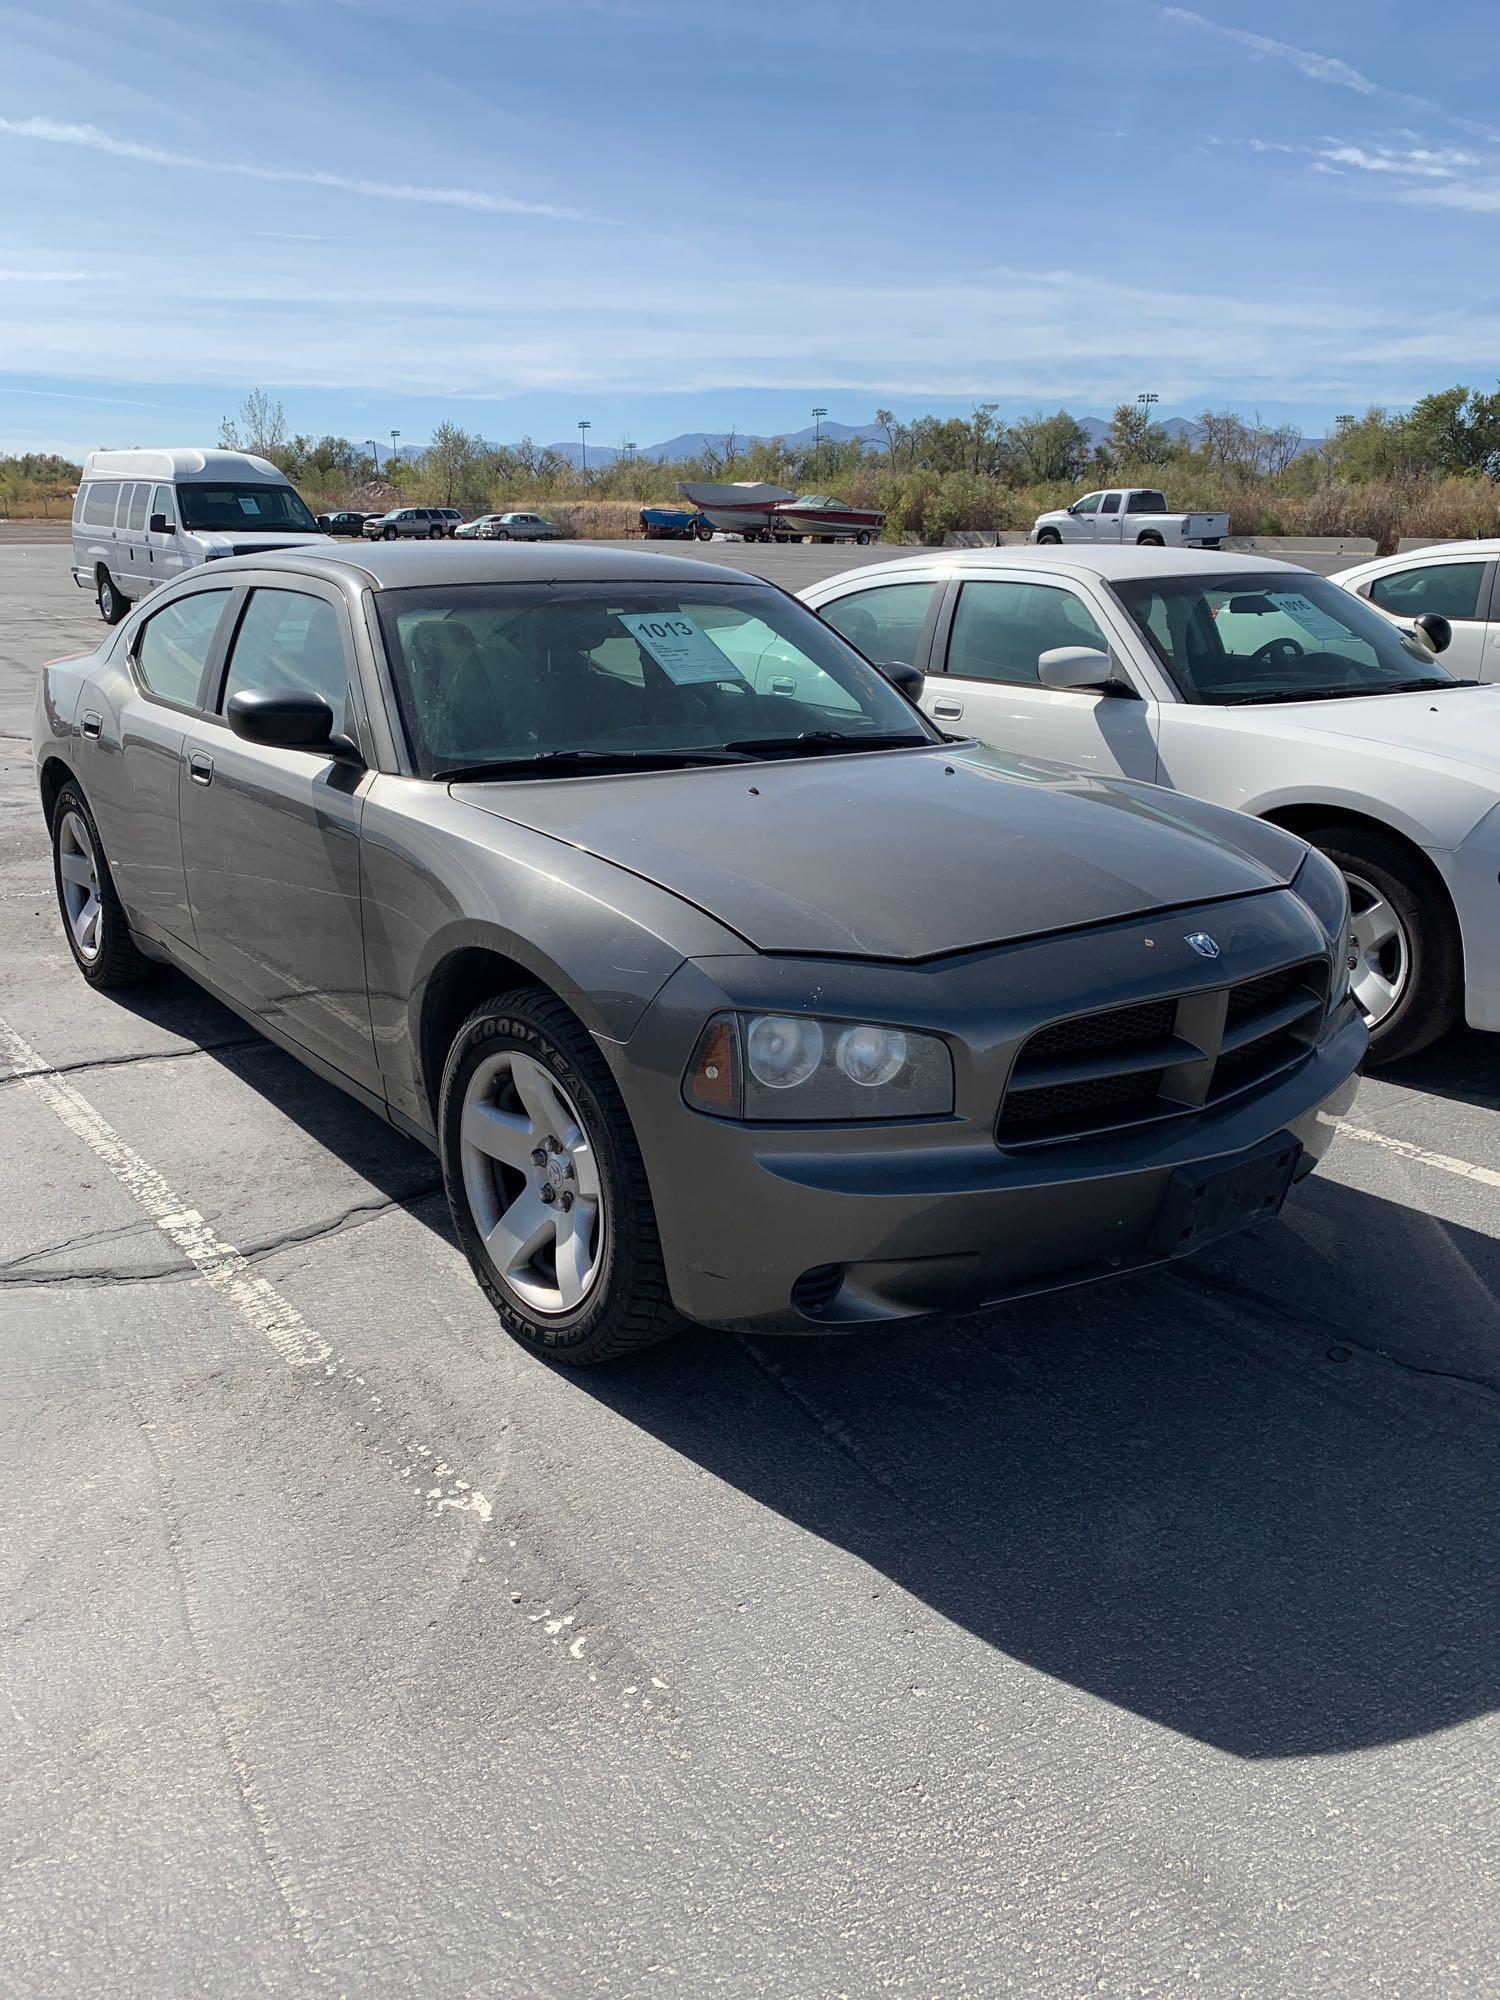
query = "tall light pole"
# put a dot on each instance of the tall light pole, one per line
(630, 450)
(394, 436)
(819, 413)
(374, 452)
(1146, 400)
(584, 427)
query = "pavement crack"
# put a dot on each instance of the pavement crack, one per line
(19, 1272)
(146, 1056)
(1321, 1328)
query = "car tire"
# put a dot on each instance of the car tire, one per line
(500, 535)
(704, 532)
(863, 538)
(1422, 954)
(388, 534)
(435, 533)
(527, 1040)
(1148, 541)
(1048, 538)
(113, 603)
(94, 922)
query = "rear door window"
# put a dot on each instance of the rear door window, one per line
(99, 503)
(174, 646)
(885, 622)
(1001, 630)
(1452, 590)
(135, 520)
(1110, 504)
(289, 640)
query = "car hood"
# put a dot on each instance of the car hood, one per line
(268, 538)
(902, 854)
(1461, 727)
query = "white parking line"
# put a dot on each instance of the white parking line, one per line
(424, 1468)
(1404, 1149)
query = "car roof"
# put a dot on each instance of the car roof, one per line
(183, 462)
(1109, 564)
(406, 565)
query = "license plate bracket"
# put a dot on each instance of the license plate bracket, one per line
(1204, 1203)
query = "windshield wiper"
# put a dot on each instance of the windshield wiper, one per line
(815, 742)
(1426, 683)
(563, 763)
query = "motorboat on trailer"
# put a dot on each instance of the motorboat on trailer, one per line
(735, 507)
(821, 518)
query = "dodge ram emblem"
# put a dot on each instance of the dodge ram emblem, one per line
(1203, 944)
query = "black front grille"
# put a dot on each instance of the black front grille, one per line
(1124, 1066)
(1118, 1028)
(1120, 1096)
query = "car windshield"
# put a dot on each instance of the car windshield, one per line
(547, 676)
(228, 509)
(1233, 639)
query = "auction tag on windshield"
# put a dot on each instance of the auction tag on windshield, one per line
(1307, 614)
(681, 648)
(249, 504)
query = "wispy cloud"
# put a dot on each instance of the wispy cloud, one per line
(94, 139)
(1476, 197)
(1418, 162)
(1322, 68)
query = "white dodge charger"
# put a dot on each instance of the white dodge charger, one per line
(1249, 682)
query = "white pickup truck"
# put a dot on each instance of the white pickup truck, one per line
(1130, 514)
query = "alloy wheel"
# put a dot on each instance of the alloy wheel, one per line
(78, 872)
(531, 1176)
(1381, 951)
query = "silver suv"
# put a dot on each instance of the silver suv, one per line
(413, 523)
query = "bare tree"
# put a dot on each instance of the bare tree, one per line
(260, 427)
(1279, 448)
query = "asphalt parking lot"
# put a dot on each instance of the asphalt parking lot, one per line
(1141, 1641)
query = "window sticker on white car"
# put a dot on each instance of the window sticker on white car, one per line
(680, 647)
(249, 504)
(1307, 615)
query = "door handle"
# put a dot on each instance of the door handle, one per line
(201, 768)
(782, 684)
(93, 722)
(947, 711)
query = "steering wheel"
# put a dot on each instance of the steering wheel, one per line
(1278, 653)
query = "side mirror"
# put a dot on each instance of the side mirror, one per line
(908, 679)
(1081, 670)
(160, 525)
(287, 719)
(1435, 629)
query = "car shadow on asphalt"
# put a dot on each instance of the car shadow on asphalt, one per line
(1201, 1496)
(1255, 1499)
(1464, 1065)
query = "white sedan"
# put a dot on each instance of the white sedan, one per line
(1249, 682)
(1460, 581)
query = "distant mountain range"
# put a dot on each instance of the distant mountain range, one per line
(693, 444)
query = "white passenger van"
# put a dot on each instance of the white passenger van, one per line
(142, 517)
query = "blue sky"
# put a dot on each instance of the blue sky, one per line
(664, 216)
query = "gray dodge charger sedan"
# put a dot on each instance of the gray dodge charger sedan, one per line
(724, 987)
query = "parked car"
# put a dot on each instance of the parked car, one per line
(413, 524)
(723, 986)
(469, 531)
(344, 523)
(1459, 581)
(1250, 682)
(520, 528)
(142, 518)
(1129, 514)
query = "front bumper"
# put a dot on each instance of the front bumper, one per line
(796, 1228)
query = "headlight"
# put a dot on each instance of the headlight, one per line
(1326, 894)
(795, 1066)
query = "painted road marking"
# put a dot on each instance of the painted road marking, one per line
(1404, 1149)
(430, 1475)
